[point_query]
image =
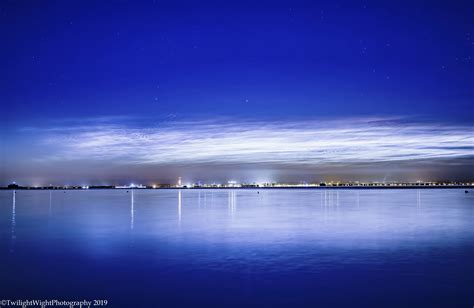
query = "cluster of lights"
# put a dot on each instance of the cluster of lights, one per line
(236, 184)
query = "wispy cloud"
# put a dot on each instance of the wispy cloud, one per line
(230, 141)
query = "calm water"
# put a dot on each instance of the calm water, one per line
(221, 248)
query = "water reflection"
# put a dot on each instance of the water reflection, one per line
(280, 236)
(50, 202)
(199, 199)
(331, 199)
(132, 211)
(232, 203)
(179, 206)
(13, 236)
(325, 205)
(358, 199)
(418, 198)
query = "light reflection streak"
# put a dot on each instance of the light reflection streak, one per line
(321, 194)
(358, 199)
(50, 204)
(325, 205)
(13, 235)
(179, 206)
(418, 198)
(232, 203)
(199, 199)
(132, 211)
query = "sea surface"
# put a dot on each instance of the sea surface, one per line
(240, 248)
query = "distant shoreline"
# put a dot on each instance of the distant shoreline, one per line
(256, 188)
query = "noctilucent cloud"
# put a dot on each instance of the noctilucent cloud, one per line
(112, 92)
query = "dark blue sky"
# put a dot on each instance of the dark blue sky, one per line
(266, 62)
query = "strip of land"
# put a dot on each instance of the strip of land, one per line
(331, 185)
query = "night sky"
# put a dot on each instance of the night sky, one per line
(110, 92)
